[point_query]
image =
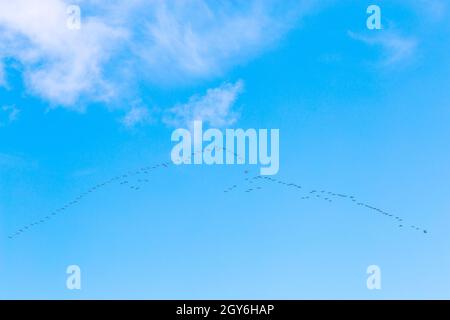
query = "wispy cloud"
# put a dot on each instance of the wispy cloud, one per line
(433, 9)
(159, 41)
(200, 39)
(135, 116)
(214, 108)
(2, 74)
(9, 114)
(59, 64)
(395, 47)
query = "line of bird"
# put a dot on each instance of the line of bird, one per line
(325, 195)
(126, 178)
(122, 179)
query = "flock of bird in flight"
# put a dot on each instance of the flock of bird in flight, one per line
(142, 173)
(325, 195)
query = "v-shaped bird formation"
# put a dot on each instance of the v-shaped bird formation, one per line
(325, 195)
(136, 179)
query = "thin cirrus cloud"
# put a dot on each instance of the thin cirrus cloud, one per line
(214, 108)
(435, 10)
(135, 116)
(58, 64)
(197, 39)
(395, 48)
(401, 47)
(2, 75)
(8, 114)
(162, 42)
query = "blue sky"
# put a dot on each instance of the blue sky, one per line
(361, 112)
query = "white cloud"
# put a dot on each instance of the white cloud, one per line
(59, 64)
(213, 108)
(10, 114)
(136, 115)
(434, 9)
(197, 39)
(395, 48)
(2, 75)
(160, 41)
